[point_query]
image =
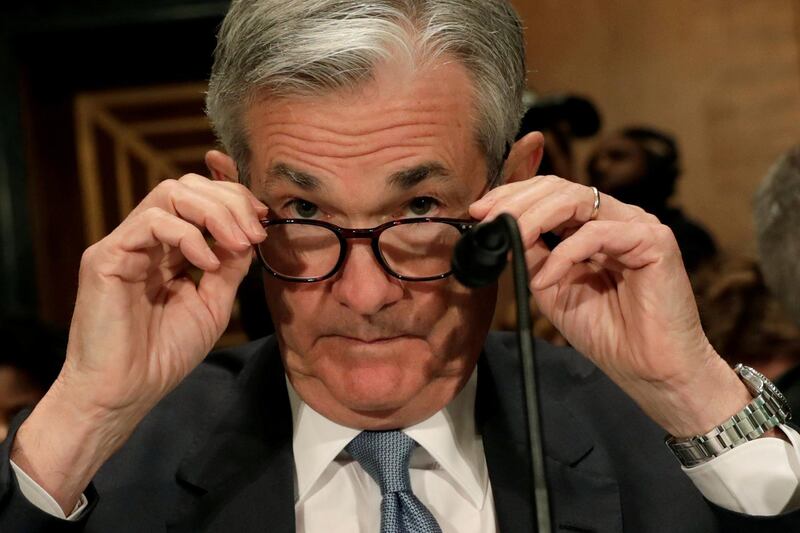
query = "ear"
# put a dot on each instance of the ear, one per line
(524, 158)
(221, 166)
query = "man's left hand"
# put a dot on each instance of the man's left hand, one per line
(616, 288)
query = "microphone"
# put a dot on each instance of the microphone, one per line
(481, 254)
(478, 260)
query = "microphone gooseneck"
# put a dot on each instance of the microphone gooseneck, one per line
(478, 260)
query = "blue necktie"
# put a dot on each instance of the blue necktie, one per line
(385, 455)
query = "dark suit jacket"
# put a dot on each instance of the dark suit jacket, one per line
(216, 456)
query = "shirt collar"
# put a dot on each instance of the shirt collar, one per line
(449, 437)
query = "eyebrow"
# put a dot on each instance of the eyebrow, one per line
(296, 177)
(411, 177)
(403, 179)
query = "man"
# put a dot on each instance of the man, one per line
(348, 120)
(641, 166)
(561, 118)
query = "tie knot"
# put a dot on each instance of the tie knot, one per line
(384, 455)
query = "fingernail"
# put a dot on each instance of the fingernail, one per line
(212, 258)
(478, 211)
(240, 237)
(539, 280)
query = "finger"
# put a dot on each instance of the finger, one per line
(217, 289)
(632, 245)
(607, 262)
(164, 269)
(535, 257)
(517, 197)
(210, 213)
(181, 200)
(240, 202)
(164, 187)
(613, 209)
(238, 188)
(171, 265)
(155, 228)
(547, 196)
(481, 207)
(553, 213)
(515, 202)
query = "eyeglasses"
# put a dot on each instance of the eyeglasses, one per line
(410, 249)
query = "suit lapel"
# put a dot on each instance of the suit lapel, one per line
(239, 474)
(581, 497)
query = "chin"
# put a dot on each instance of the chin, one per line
(378, 378)
(377, 388)
(377, 383)
(377, 395)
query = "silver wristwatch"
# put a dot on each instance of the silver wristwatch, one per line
(768, 409)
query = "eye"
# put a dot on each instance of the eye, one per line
(304, 208)
(422, 206)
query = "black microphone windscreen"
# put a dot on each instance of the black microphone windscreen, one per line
(481, 254)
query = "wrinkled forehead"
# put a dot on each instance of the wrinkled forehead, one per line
(385, 132)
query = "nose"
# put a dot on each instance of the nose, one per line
(362, 285)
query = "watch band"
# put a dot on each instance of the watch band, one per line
(767, 410)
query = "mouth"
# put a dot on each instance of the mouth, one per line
(372, 341)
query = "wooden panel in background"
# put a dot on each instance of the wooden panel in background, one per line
(724, 77)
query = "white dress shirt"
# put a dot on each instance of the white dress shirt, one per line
(449, 474)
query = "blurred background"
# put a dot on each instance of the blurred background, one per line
(680, 106)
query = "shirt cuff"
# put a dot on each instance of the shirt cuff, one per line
(758, 478)
(41, 499)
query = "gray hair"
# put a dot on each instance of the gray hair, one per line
(777, 219)
(308, 47)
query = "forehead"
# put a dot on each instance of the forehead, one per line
(404, 117)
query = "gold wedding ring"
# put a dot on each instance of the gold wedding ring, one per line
(596, 205)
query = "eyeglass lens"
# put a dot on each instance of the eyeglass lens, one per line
(416, 250)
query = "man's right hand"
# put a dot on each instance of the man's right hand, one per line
(140, 325)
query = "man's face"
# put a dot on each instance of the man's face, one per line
(363, 348)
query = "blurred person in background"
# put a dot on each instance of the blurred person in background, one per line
(750, 311)
(641, 166)
(561, 118)
(30, 360)
(777, 219)
(743, 319)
